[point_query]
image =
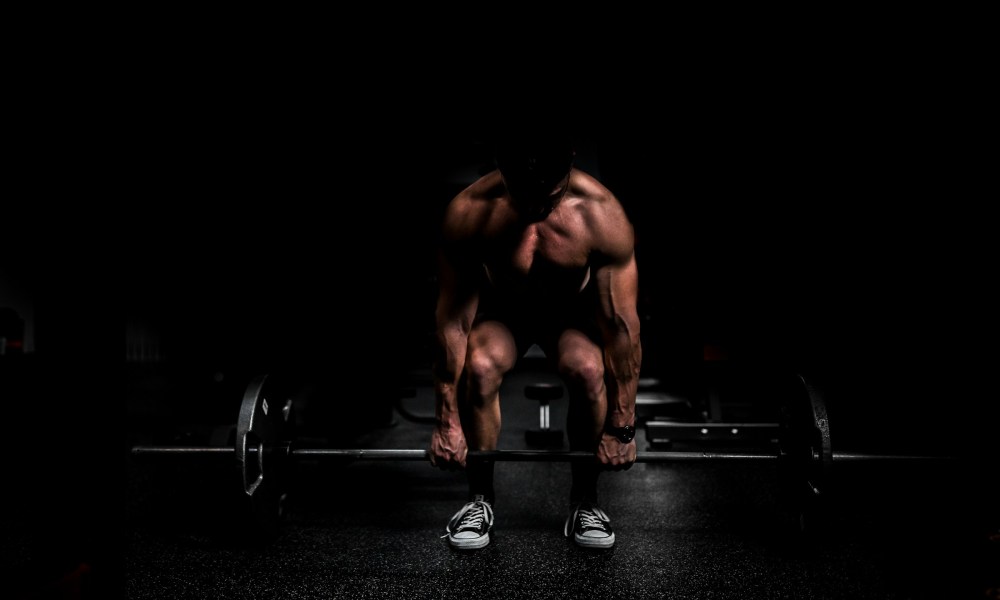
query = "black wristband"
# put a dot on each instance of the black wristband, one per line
(624, 434)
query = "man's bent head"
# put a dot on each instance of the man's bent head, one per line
(535, 169)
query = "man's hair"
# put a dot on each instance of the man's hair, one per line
(535, 157)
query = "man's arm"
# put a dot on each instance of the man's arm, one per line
(618, 289)
(456, 307)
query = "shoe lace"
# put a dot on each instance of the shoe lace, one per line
(587, 518)
(471, 516)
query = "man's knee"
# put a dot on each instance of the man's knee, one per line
(583, 374)
(485, 374)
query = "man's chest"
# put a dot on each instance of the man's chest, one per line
(539, 257)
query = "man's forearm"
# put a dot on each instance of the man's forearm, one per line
(446, 410)
(447, 371)
(621, 403)
(623, 358)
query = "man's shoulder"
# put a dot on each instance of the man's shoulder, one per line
(476, 194)
(596, 199)
(470, 210)
(609, 226)
(590, 188)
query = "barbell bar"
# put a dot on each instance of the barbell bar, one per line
(409, 454)
(265, 446)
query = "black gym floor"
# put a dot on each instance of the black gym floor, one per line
(684, 530)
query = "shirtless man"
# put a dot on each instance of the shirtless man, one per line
(536, 251)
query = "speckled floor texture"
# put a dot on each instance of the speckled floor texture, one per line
(684, 530)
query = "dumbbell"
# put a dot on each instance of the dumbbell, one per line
(544, 436)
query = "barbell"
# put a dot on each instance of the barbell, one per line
(265, 446)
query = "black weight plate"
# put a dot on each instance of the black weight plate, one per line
(263, 439)
(805, 453)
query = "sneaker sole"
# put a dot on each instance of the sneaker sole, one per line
(588, 542)
(471, 543)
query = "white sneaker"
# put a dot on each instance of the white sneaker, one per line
(471, 526)
(590, 526)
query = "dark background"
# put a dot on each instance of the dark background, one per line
(828, 227)
(282, 222)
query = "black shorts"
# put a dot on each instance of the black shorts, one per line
(536, 321)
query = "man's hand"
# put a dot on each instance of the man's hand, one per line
(614, 455)
(448, 448)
